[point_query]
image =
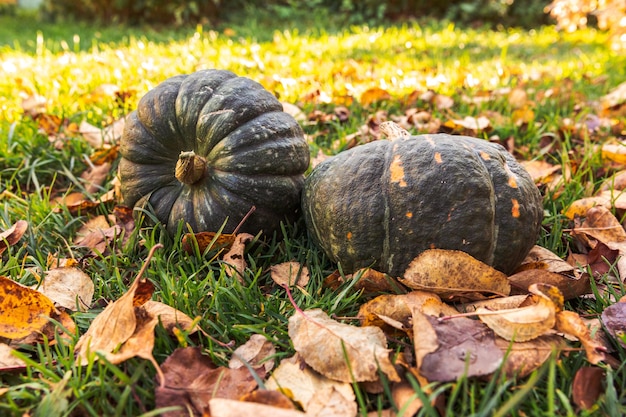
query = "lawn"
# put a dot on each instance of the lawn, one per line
(538, 91)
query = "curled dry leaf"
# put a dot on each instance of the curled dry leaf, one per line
(542, 258)
(372, 281)
(236, 263)
(525, 322)
(450, 272)
(257, 352)
(400, 308)
(207, 240)
(302, 384)
(290, 274)
(24, 310)
(571, 323)
(68, 287)
(602, 225)
(326, 345)
(12, 235)
(569, 287)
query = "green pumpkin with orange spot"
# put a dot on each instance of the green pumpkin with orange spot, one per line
(381, 204)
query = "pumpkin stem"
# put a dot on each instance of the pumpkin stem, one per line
(393, 131)
(190, 167)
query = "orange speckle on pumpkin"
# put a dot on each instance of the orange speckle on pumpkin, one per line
(515, 208)
(409, 214)
(512, 182)
(485, 156)
(397, 171)
(438, 157)
(349, 235)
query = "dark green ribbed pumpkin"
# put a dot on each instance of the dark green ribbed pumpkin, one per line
(208, 146)
(383, 203)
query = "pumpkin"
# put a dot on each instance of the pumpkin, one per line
(205, 148)
(381, 204)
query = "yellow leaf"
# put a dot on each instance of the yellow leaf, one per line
(451, 272)
(373, 95)
(615, 152)
(24, 310)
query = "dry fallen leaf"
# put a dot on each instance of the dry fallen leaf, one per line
(257, 352)
(191, 380)
(525, 322)
(223, 407)
(400, 308)
(602, 225)
(7, 360)
(571, 323)
(95, 176)
(522, 358)
(449, 273)
(24, 310)
(68, 287)
(302, 384)
(326, 345)
(465, 347)
(374, 95)
(570, 287)
(290, 274)
(12, 235)
(207, 240)
(236, 263)
(587, 386)
(614, 319)
(542, 258)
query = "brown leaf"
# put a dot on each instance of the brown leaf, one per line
(542, 258)
(191, 380)
(257, 352)
(97, 137)
(602, 225)
(571, 323)
(403, 395)
(587, 386)
(236, 263)
(95, 176)
(168, 316)
(371, 281)
(68, 287)
(207, 240)
(118, 322)
(570, 287)
(465, 347)
(540, 171)
(24, 310)
(321, 342)
(12, 235)
(290, 274)
(449, 273)
(222, 407)
(302, 384)
(522, 358)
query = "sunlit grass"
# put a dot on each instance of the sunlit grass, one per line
(68, 66)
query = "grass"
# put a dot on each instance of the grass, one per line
(66, 64)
